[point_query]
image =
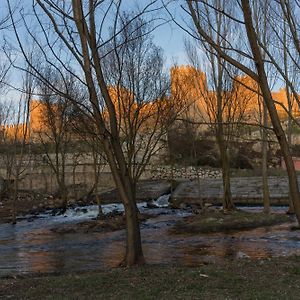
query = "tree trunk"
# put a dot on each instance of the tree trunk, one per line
(127, 191)
(266, 193)
(95, 187)
(64, 197)
(265, 89)
(202, 206)
(14, 201)
(227, 198)
(134, 252)
(291, 209)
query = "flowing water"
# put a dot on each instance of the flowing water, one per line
(32, 247)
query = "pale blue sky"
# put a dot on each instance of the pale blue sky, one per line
(168, 36)
(171, 39)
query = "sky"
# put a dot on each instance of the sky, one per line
(168, 36)
(171, 39)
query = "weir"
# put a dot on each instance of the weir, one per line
(245, 191)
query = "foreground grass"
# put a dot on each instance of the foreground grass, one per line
(244, 279)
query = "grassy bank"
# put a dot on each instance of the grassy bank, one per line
(230, 221)
(243, 279)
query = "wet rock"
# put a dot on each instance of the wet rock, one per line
(162, 201)
(31, 219)
(294, 228)
(113, 214)
(183, 206)
(56, 211)
(241, 255)
(72, 201)
(151, 204)
(81, 210)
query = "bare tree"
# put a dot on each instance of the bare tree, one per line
(285, 56)
(260, 10)
(92, 145)
(54, 128)
(78, 34)
(16, 144)
(218, 92)
(219, 101)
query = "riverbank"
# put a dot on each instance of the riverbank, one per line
(275, 278)
(34, 203)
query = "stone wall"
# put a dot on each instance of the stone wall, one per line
(41, 177)
(177, 172)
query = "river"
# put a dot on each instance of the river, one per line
(31, 246)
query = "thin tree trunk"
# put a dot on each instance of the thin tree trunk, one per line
(14, 201)
(227, 198)
(96, 178)
(290, 109)
(291, 209)
(266, 192)
(111, 140)
(202, 206)
(64, 196)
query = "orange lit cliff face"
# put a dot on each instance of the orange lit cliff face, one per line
(188, 89)
(42, 119)
(187, 83)
(37, 124)
(16, 132)
(143, 116)
(124, 103)
(246, 88)
(38, 111)
(281, 97)
(190, 84)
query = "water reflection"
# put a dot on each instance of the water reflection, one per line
(41, 261)
(34, 247)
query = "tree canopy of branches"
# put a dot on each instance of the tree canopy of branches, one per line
(246, 50)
